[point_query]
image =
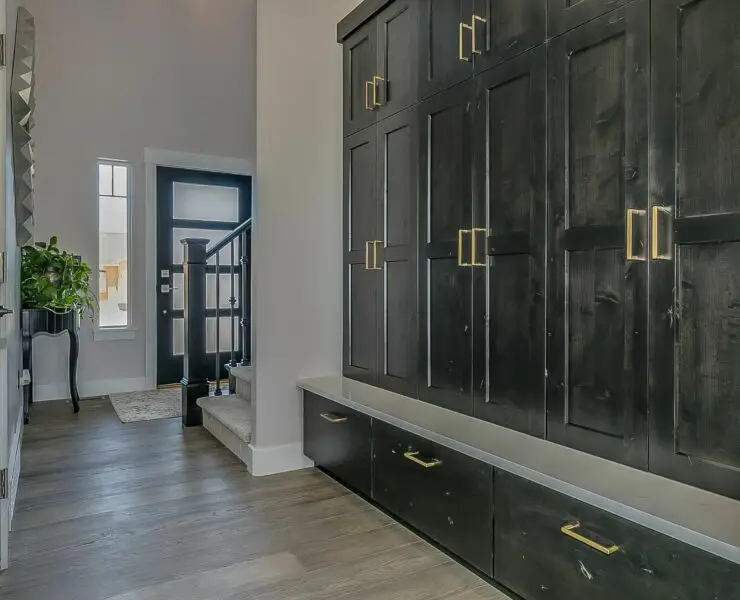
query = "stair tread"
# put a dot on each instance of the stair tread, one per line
(242, 372)
(233, 411)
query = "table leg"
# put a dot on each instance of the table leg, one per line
(74, 352)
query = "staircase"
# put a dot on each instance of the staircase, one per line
(227, 416)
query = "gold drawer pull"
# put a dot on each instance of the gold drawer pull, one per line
(368, 85)
(376, 80)
(657, 211)
(473, 243)
(414, 458)
(569, 530)
(461, 32)
(631, 214)
(461, 262)
(332, 418)
(476, 20)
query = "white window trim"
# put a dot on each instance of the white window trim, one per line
(115, 333)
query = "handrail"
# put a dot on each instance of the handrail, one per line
(230, 237)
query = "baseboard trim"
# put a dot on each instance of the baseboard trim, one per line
(14, 467)
(269, 460)
(60, 391)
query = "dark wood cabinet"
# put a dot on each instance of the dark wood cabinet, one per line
(510, 196)
(568, 14)
(361, 89)
(445, 495)
(695, 248)
(338, 439)
(598, 102)
(361, 242)
(554, 547)
(505, 28)
(447, 229)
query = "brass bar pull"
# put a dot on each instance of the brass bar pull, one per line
(375, 266)
(332, 418)
(631, 213)
(474, 249)
(656, 255)
(367, 256)
(368, 85)
(570, 531)
(461, 51)
(414, 458)
(474, 28)
(460, 261)
(376, 80)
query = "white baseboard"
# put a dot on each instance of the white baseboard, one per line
(60, 391)
(269, 460)
(14, 467)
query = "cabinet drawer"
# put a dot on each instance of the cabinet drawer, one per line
(442, 493)
(338, 439)
(604, 556)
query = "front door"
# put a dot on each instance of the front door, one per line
(197, 204)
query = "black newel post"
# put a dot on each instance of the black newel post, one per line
(195, 367)
(245, 303)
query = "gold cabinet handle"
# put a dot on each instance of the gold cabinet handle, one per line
(376, 80)
(460, 261)
(655, 254)
(332, 418)
(473, 261)
(631, 213)
(474, 22)
(414, 458)
(570, 531)
(368, 85)
(461, 54)
(367, 256)
(375, 255)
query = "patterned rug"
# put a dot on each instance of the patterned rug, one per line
(149, 405)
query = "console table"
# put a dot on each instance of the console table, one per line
(35, 321)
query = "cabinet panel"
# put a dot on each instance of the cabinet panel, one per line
(398, 26)
(536, 559)
(695, 278)
(510, 150)
(567, 14)
(598, 156)
(506, 28)
(398, 175)
(445, 48)
(360, 65)
(361, 280)
(446, 287)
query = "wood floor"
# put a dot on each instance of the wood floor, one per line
(147, 511)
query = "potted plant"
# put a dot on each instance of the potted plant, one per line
(56, 281)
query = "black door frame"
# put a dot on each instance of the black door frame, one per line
(169, 367)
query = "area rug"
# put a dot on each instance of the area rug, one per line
(149, 405)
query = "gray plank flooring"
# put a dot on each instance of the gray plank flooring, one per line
(149, 511)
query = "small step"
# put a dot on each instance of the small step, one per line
(229, 420)
(242, 375)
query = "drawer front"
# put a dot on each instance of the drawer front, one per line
(338, 439)
(536, 559)
(442, 493)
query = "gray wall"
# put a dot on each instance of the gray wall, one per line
(114, 77)
(298, 280)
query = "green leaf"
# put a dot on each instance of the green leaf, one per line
(53, 240)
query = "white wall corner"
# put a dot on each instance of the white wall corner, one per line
(60, 390)
(270, 460)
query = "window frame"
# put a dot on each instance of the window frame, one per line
(116, 332)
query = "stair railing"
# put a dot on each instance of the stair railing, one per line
(201, 368)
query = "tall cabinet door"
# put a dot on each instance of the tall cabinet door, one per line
(361, 90)
(564, 15)
(506, 28)
(510, 158)
(599, 80)
(361, 263)
(398, 153)
(695, 273)
(398, 27)
(445, 44)
(445, 252)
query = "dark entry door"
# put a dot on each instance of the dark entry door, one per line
(196, 204)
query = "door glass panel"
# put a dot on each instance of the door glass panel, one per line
(178, 290)
(213, 235)
(205, 202)
(178, 335)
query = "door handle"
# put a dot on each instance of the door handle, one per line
(368, 85)
(375, 255)
(655, 254)
(631, 214)
(427, 464)
(461, 53)
(460, 261)
(473, 245)
(4, 312)
(474, 28)
(570, 531)
(376, 80)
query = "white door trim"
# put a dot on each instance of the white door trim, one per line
(153, 158)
